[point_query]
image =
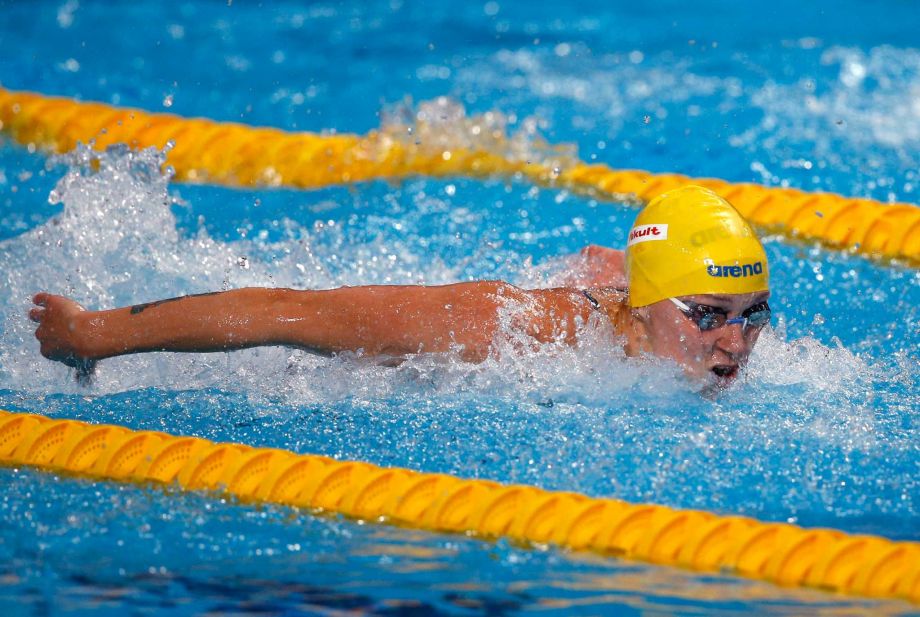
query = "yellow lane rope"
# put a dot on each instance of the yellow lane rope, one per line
(238, 155)
(777, 552)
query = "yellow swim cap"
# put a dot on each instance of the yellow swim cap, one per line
(691, 241)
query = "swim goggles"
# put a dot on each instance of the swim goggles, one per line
(712, 317)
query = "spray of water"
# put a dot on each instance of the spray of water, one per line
(804, 417)
(116, 243)
(442, 124)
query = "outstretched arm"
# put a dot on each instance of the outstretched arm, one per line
(378, 320)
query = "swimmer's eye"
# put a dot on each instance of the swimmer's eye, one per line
(708, 319)
(703, 315)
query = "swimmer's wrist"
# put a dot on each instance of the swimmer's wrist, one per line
(92, 341)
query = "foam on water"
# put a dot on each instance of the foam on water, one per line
(116, 243)
(855, 111)
(805, 419)
(442, 124)
(847, 110)
(613, 88)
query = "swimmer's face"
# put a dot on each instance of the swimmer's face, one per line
(714, 355)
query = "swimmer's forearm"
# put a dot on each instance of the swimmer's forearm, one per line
(206, 322)
(379, 320)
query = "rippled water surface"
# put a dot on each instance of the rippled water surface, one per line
(822, 429)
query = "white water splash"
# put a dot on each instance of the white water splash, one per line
(442, 125)
(116, 243)
(803, 419)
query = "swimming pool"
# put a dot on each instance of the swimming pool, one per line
(822, 431)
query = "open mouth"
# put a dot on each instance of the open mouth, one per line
(725, 372)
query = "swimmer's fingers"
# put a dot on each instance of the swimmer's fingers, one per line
(53, 303)
(58, 331)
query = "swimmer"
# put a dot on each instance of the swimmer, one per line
(696, 292)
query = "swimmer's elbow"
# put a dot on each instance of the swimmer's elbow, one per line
(467, 318)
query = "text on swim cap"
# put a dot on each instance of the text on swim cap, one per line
(644, 233)
(705, 236)
(735, 271)
(718, 232)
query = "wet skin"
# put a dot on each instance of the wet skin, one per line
(714, 355)
(395, 321)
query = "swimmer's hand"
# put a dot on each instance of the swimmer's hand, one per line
(62, 332)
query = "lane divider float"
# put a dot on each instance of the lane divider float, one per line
(243, 156)
(778, 552)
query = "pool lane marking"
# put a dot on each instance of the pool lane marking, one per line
(238, 155)
(778, 552)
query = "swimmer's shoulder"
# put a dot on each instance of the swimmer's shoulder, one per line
(607, 296)
(612, 302)
(607, 300)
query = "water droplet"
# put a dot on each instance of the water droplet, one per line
(168, 100)
(70, 65)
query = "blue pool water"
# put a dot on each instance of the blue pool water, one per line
(823, 430)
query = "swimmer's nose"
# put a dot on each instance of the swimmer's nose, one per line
(732, 340)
